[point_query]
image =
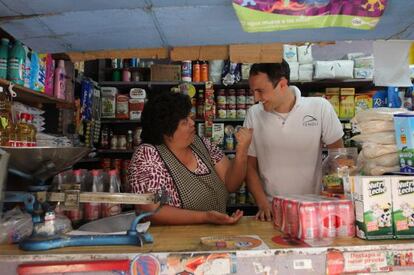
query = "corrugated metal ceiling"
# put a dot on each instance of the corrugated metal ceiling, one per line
(79, 25)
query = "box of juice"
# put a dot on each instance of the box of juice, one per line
(347, 103)
(332, 95)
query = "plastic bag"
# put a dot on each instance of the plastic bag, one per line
(371, 169)
(373, 150)
(385, 160)
(385, 138)
(375, 126)
(15, 226)
(340, 163)
(377, 114)
(53, 225)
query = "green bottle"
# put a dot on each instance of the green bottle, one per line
(16, 63)
(4, 54)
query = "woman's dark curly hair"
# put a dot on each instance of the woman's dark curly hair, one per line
(161, 116)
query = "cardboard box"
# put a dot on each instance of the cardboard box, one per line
(108, 102)
(161, 72)
(347, 103)
(362, 102)
(332, 95)
(256, 53)
(373, 207)
(403, 206)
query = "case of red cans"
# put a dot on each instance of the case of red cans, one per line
(310, 217)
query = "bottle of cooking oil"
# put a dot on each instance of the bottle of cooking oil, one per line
(33, 132)
(6, 121)
(23, 131)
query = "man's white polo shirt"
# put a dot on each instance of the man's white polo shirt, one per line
(288, 146)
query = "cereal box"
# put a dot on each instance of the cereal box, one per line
(332, 95)
(362, 102)
(347, 103)
(373, 207)
(403, 206)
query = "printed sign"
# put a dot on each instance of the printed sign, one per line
(276, 15)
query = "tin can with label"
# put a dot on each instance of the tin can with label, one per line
(221, 97)
(221, 111)
(345, 219)
(308, 220)
(241, 96)
(186, 71)
(231, 97)
(327, 212)
(231, 111)
(277, 211)
(229, 143)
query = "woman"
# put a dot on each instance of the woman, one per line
(195, 173)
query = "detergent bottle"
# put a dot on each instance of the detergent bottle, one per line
(60, 80)
(4, 54)
(16, 63)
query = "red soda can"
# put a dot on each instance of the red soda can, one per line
(292, 217)
(277, 211)
(327, 213)
(308, 220)
(75, 215)
(345, 219)
(284, 226)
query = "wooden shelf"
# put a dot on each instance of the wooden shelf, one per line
(119, 121)
(29, 96)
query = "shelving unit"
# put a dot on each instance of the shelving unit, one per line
(30, 96)
(119, 121)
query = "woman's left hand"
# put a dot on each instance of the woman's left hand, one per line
(215, 217)
(244, 137)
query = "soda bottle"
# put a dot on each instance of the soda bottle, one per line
(76, 215)
(93, 209)
(130, 140)
(111, 209)
(204, 71)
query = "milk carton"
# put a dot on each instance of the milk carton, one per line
(403, 206)
(373, 207)
(404, 127)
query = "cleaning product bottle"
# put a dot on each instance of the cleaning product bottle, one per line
(16, 63)
(27, 66)
(4, 54)
(60, 80)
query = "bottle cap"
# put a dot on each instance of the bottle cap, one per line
(113, 172)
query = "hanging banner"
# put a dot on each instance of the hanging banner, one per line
(277, 15)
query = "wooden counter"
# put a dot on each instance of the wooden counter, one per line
(178, 239)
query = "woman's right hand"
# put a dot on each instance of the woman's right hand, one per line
(265, 212)
(215, 217)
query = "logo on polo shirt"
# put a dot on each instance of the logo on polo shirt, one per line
(309, 121)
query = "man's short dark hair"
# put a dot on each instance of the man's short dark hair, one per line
(274, 71)
(161, 116)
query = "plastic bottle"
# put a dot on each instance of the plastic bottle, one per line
(76, 215)
(33, 132)
(130, 140)
(196, 71)
(111, 209)
(4, 56)
(16, 63)
(93, 209)
(60, 80)
(23, 131)
(204, 71)
(27, 66)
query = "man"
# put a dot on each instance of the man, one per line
(284, 156)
